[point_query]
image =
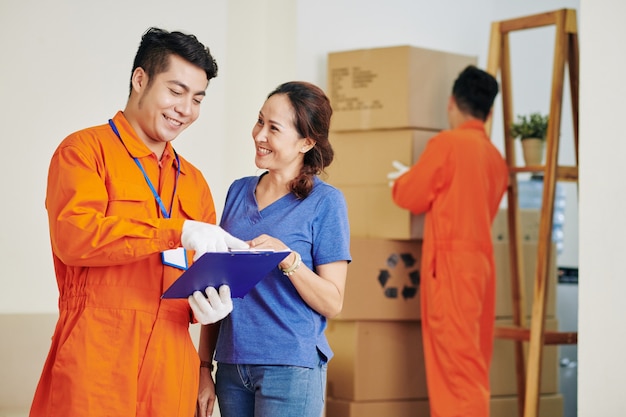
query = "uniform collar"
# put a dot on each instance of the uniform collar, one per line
(133, 144)
(475, 124)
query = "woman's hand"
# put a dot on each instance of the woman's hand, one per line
(269, 242)
(322, 289)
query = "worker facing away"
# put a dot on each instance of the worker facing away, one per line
(458, 182)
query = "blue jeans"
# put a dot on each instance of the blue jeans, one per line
(270, 390)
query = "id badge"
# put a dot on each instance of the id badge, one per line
(176, 258)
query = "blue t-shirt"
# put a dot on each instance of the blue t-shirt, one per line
(272, 325)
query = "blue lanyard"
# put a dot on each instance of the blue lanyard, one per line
(156, 195)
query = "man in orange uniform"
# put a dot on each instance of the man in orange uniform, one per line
(119, 202)
(458, 182)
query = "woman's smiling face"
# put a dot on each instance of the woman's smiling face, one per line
(279, 146)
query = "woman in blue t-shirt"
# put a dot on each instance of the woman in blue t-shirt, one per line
(271, 350)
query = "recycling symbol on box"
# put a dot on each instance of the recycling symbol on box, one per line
(400, 267)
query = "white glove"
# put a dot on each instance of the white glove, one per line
(400, 169)
(204, 237)
(213, 307)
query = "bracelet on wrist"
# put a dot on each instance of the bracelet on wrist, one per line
(295, 265)
(207, 364)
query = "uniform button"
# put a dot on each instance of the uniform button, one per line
(172, 244)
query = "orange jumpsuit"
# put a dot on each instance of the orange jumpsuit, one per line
(458, 182)
(118, 349)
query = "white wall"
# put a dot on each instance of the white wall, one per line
(602, 334)
(66, 66)
(261, 52)
(455, 26)
(84, 54)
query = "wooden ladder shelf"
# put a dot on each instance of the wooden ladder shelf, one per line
(566, 51)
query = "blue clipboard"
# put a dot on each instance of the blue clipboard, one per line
(240, 270)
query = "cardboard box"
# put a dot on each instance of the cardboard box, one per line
(383, 280)
(549, 406)
(375, 361)
(362, 162)
(373, 214)
(529, 225)
(394, 87)
(503, 378)
(384, 360)
(407, 408)
(365, 157)
(504, 299)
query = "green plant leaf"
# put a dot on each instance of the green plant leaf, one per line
(534, 125)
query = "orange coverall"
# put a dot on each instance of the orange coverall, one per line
(458, 181)
(118, 349)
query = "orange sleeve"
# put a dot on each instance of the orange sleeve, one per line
(416, 189)
(92, 225)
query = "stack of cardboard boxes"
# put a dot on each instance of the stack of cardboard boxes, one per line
(503, 376)
(387, 103)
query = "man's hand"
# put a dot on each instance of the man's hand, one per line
(212, 308)
(206, 394)
(204, 237)
(400, 169)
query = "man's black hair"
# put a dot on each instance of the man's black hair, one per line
(475, 91)
(157, 45)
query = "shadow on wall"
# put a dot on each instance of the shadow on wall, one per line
(25, 342)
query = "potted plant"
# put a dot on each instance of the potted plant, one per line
(531, 130)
